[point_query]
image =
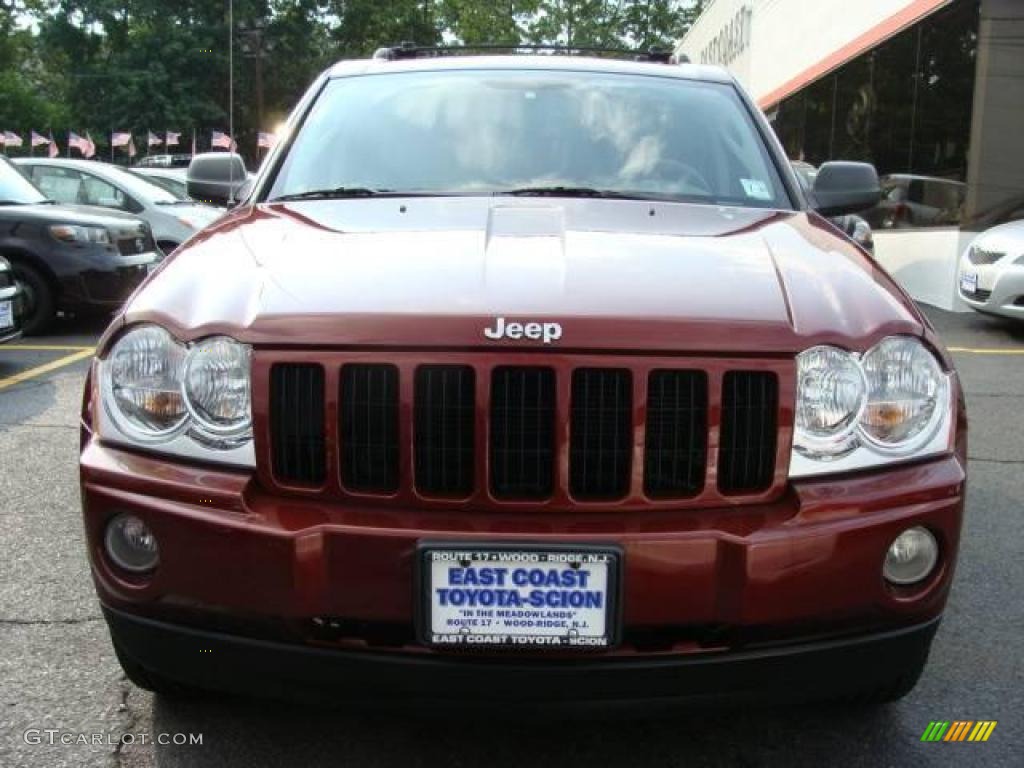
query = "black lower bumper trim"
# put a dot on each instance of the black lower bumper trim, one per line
(241, 665)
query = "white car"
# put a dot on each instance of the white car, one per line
(87, 182)
(991, 274)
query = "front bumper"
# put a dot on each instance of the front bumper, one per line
(324, 581)
(1001, 288)
(225, 662)
(106, 289)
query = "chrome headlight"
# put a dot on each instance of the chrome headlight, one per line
(856, 412)
(142, 388)
(832, 395)
(906, 393)
(191, 401)
(217, 389)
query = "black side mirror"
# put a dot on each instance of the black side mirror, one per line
(216, 178)
(841, 188)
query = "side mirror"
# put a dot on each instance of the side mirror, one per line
(216, 178)
(841, 188)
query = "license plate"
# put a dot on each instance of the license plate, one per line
(969, 282)
(519, 597)
(6, 314)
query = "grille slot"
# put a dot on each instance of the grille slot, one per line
(601, 433)
(369, 428)
(297, 423)
(980, 256)
(522, 438)
(443, 435)
(746, 457)
(675, 451)
(979, 295)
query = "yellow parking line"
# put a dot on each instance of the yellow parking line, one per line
(32, 373)
(44, 348)
(991, 351)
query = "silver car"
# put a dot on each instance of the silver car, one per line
(87, 182)
(991, 273)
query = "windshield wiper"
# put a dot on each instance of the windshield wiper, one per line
(565, 191)
(342, 193)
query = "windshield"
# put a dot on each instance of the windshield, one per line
(489, 132)
(139, 188)
(15, 188)
(174, 186)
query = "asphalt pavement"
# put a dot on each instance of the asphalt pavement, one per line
(58, 672)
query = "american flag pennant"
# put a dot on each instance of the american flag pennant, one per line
(221, 140)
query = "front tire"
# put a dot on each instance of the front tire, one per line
(40, 302)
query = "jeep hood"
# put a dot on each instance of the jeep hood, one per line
(434, 272)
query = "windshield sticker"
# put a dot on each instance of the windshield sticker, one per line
(756, 189)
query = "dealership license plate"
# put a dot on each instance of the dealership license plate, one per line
(498, 597)
(969, 282)
(6, 314)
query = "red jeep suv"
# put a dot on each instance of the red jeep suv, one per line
(525, 379)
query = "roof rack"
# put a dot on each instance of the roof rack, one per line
(409, 50)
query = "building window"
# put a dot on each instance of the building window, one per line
(905, 106)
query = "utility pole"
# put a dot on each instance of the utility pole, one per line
(254, 45)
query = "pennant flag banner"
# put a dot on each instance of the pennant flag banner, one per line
(39, 140)
(154, 140)
(131, 148)
(11, 139)
(120, 138)
(266, 140)
(90, 149)
(172, 138)
(54, 149)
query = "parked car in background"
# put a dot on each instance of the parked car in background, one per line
(853, 225)
(11, 303)
(534, 397)
(87, 182)
(991, 273)
(69, 258)
(917, 201)
(178, 160)
(170, 179)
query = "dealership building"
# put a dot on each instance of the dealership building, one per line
(930, 91)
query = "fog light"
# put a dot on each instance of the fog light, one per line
(131, 545)
(911, 556)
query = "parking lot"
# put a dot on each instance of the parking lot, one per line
(57, 669)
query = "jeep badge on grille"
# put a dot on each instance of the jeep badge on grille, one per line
(546, 332)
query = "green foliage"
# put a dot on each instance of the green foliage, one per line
(154, 65)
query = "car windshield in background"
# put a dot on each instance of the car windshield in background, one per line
(15, 189)
(485, 132)
(173, 186)
(140, 188)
